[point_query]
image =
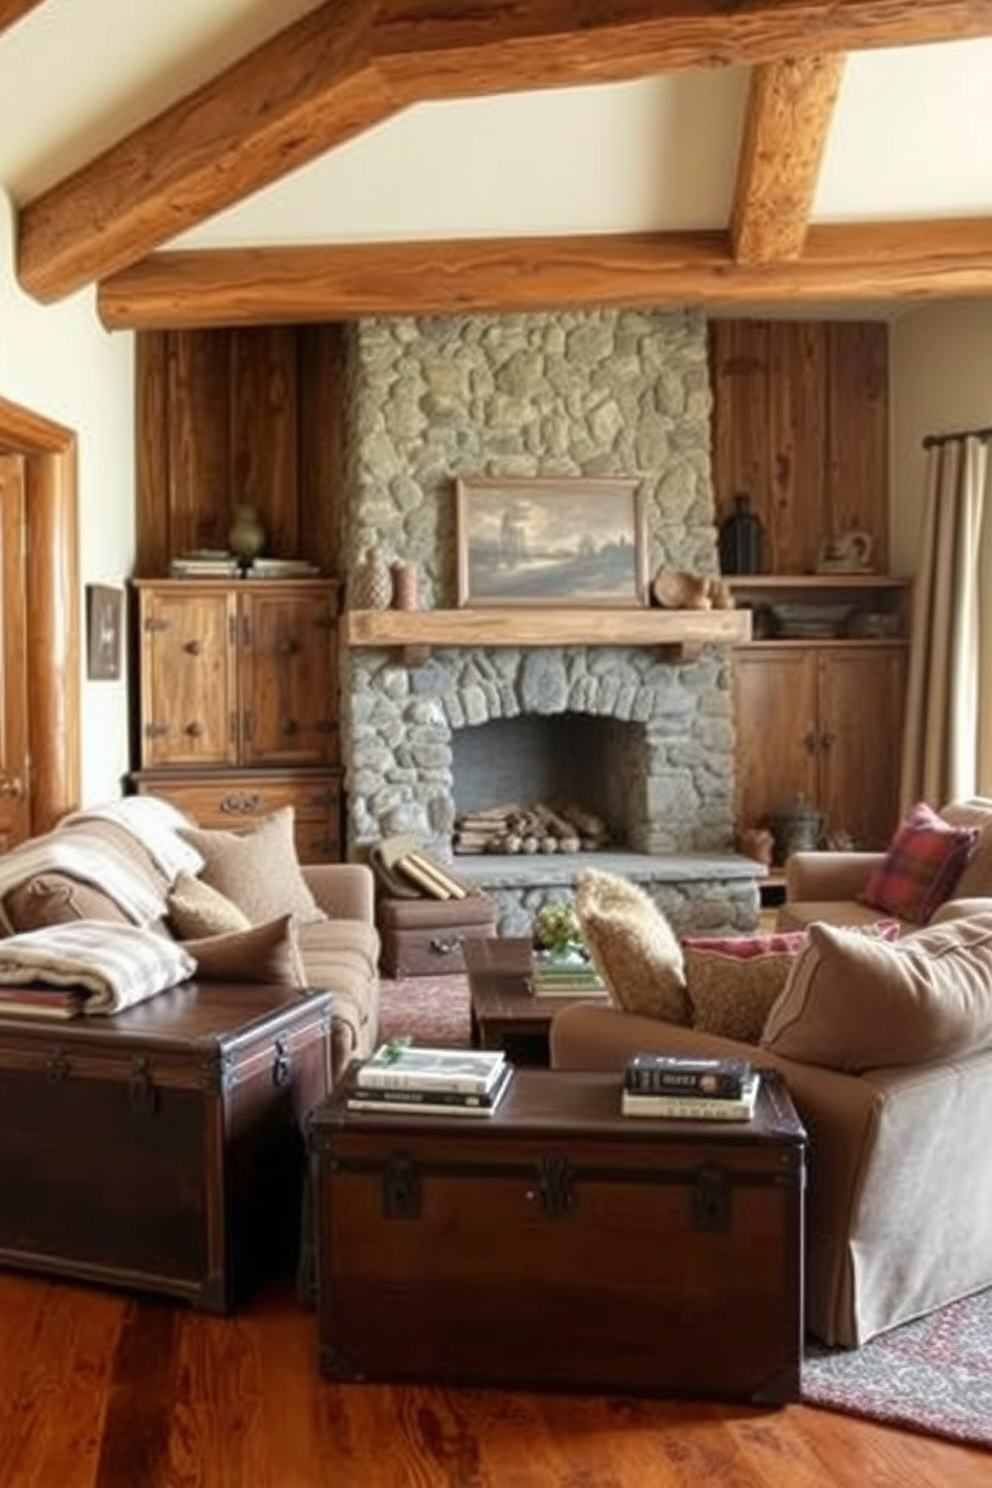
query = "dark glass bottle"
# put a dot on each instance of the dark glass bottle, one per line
(742, 540)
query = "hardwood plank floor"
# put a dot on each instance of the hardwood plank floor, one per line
(102, 1390)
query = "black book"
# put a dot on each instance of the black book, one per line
(674, 1075)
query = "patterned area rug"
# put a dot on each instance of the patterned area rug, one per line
(430, 1010)
(933, 1376)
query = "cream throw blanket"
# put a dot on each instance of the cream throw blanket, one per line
(116, 965)
(84, 853)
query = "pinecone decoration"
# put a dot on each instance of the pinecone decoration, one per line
(372, 585)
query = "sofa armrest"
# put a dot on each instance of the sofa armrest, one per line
(829, 875)
(345, 891)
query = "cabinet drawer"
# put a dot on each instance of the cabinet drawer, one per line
(235, 800)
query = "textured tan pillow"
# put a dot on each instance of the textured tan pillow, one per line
(853, 1002)
(733, 981)
(257, 868)
(976, 875)
(58, 899)
(263, 953)
(633, 946)
(196, 909)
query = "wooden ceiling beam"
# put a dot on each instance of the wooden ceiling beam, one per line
(252, 286)
(789, 110)
(350, 63)
(13, 10)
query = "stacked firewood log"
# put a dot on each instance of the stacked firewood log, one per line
(514, 828)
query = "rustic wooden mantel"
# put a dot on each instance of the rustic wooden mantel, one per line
(679, 633)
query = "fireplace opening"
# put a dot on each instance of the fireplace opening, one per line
(544, 784)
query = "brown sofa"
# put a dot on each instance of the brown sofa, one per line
(99, 865)
(899, 1209)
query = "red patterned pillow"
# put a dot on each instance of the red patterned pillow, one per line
(923, 863)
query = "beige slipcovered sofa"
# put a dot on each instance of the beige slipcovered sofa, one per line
(125, 863)
(899, 1201)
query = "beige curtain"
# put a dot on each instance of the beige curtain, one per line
(947, 752)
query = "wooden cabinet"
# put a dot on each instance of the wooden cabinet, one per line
(239, 702)
(823, 720)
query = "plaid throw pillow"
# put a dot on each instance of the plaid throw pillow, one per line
(922, 865)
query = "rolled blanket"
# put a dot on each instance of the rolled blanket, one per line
(116, 965)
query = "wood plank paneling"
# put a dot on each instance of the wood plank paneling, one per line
(800, 423)
(321, 451)
(263, 463)
(198, 430)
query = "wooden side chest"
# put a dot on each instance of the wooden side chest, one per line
(558, 1244)
(163, 1148)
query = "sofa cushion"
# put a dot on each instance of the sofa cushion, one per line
(257, 868)
(196, 909)
(923, 864)
(732, 981)
(57, 899)
(855, 1002)
(260, 953)
(976, 875)
(632, 945)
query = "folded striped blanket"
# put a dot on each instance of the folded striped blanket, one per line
(154, 822)
(116, 965)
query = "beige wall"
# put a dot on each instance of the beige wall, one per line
(58, 361)
(940, 378)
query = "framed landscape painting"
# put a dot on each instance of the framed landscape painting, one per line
(564, 542)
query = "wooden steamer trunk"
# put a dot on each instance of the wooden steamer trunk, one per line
(424, 937)
(162, 1148)
(561, 1245)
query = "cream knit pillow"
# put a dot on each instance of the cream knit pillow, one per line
(633, 946)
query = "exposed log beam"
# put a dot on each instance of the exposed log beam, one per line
(309, 88)
(350, 63)
(228, 287)
(789, 110)
(12, 10)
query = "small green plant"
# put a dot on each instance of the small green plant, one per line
(556, 928)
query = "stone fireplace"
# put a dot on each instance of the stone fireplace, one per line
(648, 740)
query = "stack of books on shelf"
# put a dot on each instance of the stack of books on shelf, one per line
(680, 1087)
(444, 1082)
(204, 563)
(568, 975)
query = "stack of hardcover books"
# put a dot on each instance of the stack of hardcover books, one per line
(685, 1088)
(565, 976)
(444, 1082)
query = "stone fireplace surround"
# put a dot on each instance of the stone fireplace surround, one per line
(565, 394)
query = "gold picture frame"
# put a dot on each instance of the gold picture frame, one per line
(569, 542)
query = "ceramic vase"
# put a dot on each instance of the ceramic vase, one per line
(372, 586)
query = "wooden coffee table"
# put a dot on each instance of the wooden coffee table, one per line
(505, 1013)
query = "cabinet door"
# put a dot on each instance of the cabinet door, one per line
(189, 690)
(776, 722)
(861, 718)
(288, 678)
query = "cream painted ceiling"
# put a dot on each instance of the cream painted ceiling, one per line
(910, 137)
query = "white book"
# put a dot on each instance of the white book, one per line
(405, 1066)
(693, 1107)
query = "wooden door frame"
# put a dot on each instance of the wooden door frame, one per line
(53, 633)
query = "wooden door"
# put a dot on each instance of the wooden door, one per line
(288, 675)
(15, 810)
(776, 722)
(189, 682)
(862, 699)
